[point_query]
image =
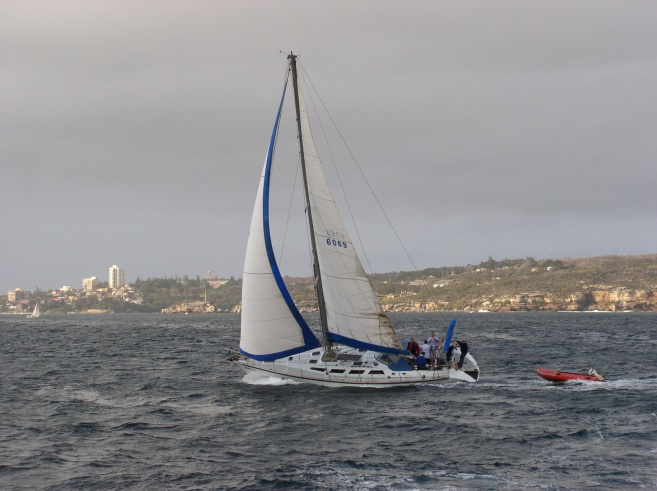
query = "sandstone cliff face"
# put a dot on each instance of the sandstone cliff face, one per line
(597, 297)
(191, 308)
(198, 308)
(593, 298)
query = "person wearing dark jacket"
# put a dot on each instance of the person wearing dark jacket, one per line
(449, 353)
(463, 345)
(413, 347)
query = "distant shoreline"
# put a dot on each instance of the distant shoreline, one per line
(177, 314)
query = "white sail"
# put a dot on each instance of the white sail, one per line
(36, 312)
(354, 314)
(271, 325)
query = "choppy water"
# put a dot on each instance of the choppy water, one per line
(149, 402)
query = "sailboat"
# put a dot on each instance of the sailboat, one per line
(35, 313)
(358, 346)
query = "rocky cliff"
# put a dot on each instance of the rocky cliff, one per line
(191, 308)
(598, 297)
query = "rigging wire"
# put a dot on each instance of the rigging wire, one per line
(330, 151)
(292, 195)
(360, 170)
(357, 166)
(287, 74)
(367, 291)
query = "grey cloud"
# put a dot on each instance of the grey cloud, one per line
(134, 134)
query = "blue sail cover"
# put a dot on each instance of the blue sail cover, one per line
(449, 334)
(336, 338)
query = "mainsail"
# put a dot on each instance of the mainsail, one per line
(354, 315)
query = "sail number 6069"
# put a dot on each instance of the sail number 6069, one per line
(336, 243)
(336, 239)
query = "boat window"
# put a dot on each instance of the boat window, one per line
(312, 361)
(358, 363)
(290, 358)
(337, 370)
(383, 358)
(317, 369)
(376, 372)
(356, 372)
(315, 353)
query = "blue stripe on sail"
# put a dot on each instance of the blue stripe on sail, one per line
(337, 338)
(309, 338)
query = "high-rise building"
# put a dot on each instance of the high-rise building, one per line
(116, 277)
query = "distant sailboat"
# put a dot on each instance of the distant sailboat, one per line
(35, 313)
(359, 346)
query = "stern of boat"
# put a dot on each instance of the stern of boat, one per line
(469, 376)
(469, 372)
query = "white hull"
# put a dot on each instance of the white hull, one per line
(353, 368)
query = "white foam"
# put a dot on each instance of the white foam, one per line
(85, 395)
(632, 383)
(254, 379)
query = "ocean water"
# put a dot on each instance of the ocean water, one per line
(150, 402)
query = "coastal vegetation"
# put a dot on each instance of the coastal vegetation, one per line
(596, 283)
(629, 282)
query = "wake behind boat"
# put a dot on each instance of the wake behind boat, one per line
(558, 376)
(359, 346)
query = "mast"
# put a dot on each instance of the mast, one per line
(316, 273)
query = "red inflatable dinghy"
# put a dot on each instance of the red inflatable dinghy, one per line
(557, 376)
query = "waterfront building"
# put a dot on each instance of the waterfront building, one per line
(90, 284)
(17, 295)
(116, 276)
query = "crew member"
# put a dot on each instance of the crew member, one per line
(463, 345)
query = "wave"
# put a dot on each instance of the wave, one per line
(126, 415)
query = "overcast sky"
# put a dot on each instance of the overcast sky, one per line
(133, 133)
